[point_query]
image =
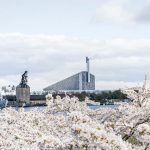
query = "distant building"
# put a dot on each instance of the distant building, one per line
(8, 90)
(82, 81)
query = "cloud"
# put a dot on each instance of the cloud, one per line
(112, 11)
(52, 58)
(123, 11)
(115, 85)
(144, 15)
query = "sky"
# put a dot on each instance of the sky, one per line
(51, 39)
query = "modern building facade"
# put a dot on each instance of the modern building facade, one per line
(82, 81)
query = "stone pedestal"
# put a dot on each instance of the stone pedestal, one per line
(23, 94)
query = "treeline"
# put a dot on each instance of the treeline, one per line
(118, 95)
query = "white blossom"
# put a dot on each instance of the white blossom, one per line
(68, 124)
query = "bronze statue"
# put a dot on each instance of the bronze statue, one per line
(24, 79)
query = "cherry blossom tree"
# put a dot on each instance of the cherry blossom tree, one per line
(68, 124)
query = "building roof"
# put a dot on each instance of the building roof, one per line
(70, 83)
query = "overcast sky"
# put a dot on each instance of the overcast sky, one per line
(51, 38)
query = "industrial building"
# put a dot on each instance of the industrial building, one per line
(82, 81)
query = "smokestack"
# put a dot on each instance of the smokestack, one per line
(88, 69)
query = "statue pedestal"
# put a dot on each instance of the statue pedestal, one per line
(23, 95)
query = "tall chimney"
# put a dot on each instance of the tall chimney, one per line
(88, 69)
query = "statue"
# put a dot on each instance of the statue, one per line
(24, 79)
(23, 91)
